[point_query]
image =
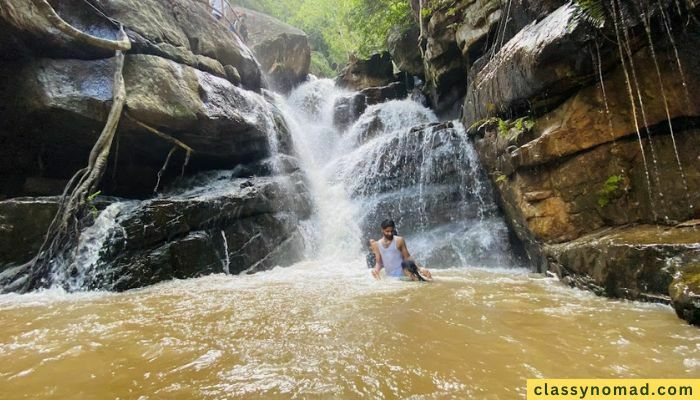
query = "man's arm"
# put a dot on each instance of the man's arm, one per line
(401, 244)
(378, 263)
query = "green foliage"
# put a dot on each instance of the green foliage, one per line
(90, 201)
(592, 11)
(338, 28)
(503, 127)
(513, 129)
(524, 124)
(320, 66)
(611, 185)
(372, 20)
(501, 179)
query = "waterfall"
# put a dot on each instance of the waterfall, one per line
(396, 161)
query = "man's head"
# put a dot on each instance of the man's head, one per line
(388, 228)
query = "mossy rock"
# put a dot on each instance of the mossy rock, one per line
(685, 293)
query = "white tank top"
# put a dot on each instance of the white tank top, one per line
(391, 258)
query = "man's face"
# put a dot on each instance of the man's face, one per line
(388, 233)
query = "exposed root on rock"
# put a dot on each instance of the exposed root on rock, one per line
(65, 228)
(122, 44)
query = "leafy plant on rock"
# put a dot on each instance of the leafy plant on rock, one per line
(610, 187)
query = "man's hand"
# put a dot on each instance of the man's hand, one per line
(375, 273)
(426, 274)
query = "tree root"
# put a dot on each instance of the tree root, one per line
(175, 142)
(123, 44)
(64, 230)
(165, 167)
(160, 134)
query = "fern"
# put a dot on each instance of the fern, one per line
(591, 11)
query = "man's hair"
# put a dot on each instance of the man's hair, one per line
(387, 223)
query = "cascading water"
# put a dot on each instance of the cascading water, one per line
(396, 161)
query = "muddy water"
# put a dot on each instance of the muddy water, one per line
(319, 330)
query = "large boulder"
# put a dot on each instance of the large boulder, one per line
(464, 36)
(445, 70)
(360, 74)
(348, 108)
(212, 228)
(282, 50)
(595, 168)
(224, 124)
(578, 124)
(405, 50)
(23, 224)
(181, 30)
(685, 291)
(637, 262)
(540, 63)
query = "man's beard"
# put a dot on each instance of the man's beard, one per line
(389, 236)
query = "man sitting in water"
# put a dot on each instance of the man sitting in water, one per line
(391, 253)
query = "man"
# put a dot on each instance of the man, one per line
(391, 253)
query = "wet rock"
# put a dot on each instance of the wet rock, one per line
(392, 118)
(478, 21)
(376, 71)
(405, 50)
(636, 262)
(282, 50)
(581, 203)
(225, 125)
(579, 124)
(539, 63)
(180, 30)
(23, 224)
(461, 38)
(347, 110)
(445, 70)
(685, 291)
(580, 136)
(180, 235)
(393, 91)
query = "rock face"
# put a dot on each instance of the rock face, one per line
(187, 233)
(538, 64)
(347, 109)
(685, 292)
(224, 124)
(282, 50)
(636, 262)
(180, 30)
(405, 51)
(461, 37)
(23, 224)
(376, 71)
(190, 77)
(593, 156)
